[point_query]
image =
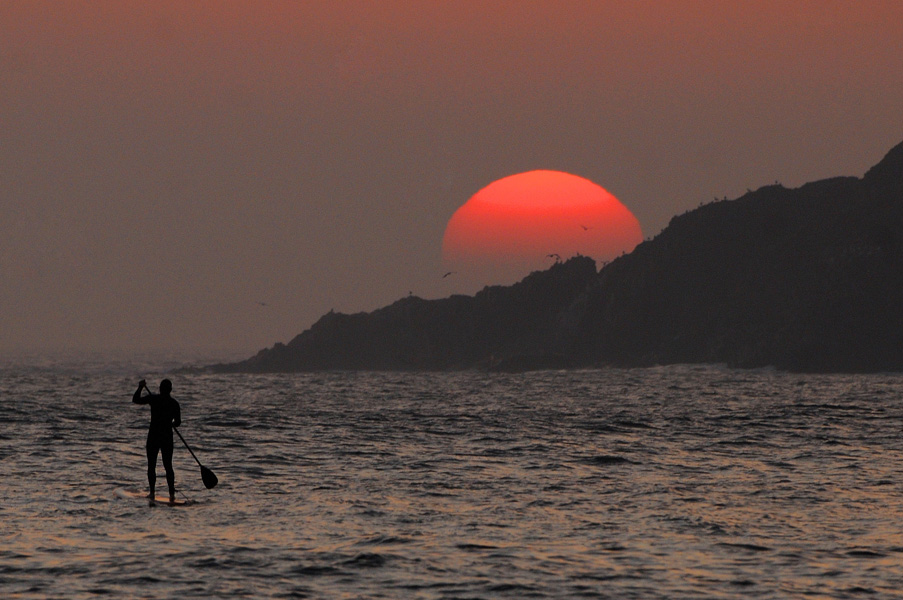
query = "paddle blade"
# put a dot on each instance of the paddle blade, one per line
(209, 478)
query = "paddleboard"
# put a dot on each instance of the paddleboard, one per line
(158, 500)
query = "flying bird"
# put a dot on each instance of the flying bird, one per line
(449, 273)
(557, 257)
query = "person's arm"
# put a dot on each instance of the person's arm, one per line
(137, 398)
(176, 415)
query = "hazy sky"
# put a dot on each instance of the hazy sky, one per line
(167, 166)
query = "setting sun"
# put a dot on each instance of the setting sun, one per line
(524, 222)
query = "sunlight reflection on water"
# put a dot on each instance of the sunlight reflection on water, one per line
(679, 482)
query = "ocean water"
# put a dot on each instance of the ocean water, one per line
(672, 482)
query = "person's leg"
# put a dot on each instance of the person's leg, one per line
(166, 450)
(152, 450)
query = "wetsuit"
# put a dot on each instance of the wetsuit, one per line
(165, 414)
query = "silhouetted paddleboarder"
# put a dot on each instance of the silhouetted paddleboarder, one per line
(165, 414)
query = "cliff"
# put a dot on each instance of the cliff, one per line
(807, 279)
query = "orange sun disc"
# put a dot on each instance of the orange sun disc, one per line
(524, 222)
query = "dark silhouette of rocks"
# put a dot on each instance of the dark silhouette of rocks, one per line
(806, 279)
(512, 327)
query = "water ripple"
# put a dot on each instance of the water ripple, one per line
(672, 482)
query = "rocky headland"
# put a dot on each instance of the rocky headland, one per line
(806, 279)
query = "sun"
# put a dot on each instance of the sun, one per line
(524, 222)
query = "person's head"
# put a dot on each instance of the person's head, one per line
(165, 387)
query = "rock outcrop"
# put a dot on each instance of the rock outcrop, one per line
(806, 279)
(500, 327)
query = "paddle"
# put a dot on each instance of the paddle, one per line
(207, 475)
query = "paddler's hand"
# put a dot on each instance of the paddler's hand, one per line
(142, 384)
